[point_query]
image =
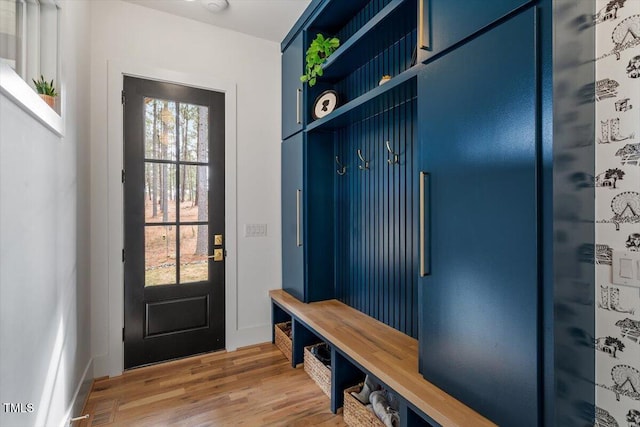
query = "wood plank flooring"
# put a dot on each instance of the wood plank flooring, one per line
(254, 386)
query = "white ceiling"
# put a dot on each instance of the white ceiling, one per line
(267, 19)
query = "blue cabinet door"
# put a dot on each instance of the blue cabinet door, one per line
(292, 221)
(444, 23)
(292, 69)
(479, 322)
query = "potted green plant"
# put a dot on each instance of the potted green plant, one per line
(319, 50)
(46, 90)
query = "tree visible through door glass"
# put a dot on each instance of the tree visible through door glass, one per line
(176, 192)
(160, 255)
(160, 129)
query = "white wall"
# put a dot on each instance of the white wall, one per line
(44, 270)
(126, 32)
(615, 303)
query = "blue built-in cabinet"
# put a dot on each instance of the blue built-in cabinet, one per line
(292, 95)
(293, 216)
(479, 298)
(441, 202)
(446, 23)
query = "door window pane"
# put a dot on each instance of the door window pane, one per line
(160, 191)
(160, 255)
(194, 248)
(194, 133)
(159, 129)
(194, 193)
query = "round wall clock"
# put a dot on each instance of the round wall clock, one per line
(325, 103)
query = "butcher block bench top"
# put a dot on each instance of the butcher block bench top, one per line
(387, 353)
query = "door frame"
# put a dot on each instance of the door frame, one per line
(113, 362)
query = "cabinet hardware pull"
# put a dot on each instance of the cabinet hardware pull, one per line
(424, 28)
(425, 267)
(298, 202)
(298, 106)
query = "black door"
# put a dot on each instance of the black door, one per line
(174, 221)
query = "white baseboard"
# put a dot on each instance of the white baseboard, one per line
(248, 336)
(80, 395)
(101, 366)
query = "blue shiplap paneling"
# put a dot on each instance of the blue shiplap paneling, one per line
(361, 18)
(388, 60)
(375, 218)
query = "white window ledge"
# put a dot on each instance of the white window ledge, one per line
(26, 98)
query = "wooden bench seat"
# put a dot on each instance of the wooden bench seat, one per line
(386, 353)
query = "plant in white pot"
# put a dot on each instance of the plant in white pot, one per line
(46, 90)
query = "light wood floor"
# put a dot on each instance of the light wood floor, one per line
(254, 386)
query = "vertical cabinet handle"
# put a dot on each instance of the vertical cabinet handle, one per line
(424, 28)
(299, 106)
(425, 263)
(298, 219)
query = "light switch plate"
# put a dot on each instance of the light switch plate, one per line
(626, 268)
(255, 230)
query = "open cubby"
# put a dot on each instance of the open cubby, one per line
(370, 103)
(389, 26)
(343, 18)
(278, 315)
(390, 60)
(317, 370)
(410, 416)
(366, 225)
(319, 222)
(378, 38)
(302, 337)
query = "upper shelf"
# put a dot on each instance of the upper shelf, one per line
(367, 103)
(389, 25)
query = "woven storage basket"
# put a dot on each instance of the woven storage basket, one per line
(283, 342)
(318, 372)
(356, 414)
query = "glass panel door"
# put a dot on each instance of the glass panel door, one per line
(174, 222)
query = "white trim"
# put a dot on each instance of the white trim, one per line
(16, 89)
(116, 71)
(82, 383)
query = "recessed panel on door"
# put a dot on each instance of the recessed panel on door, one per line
(165, 317)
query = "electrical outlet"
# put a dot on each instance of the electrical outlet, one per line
(255, 230)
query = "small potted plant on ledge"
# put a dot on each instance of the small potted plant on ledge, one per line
(319, 50)
(46, 90)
